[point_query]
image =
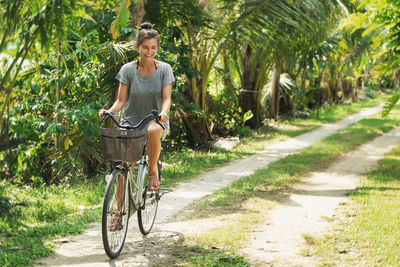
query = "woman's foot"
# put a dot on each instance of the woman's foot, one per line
(115, 223)
(154, 183)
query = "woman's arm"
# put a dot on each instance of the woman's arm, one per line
(166, 105)
(120, 102)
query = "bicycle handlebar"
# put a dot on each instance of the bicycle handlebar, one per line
(154, 115)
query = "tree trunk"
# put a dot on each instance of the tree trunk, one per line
(197, 127)
(275, 90)
(204, 107)
(396, 78)
(355, 89)
(332, 85)
(138, 14)
(340, 87)
(187, 122)
(246, 94)
(249, 96)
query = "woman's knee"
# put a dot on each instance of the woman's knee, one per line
(154, 131)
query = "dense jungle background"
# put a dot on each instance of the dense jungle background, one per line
(238, 64)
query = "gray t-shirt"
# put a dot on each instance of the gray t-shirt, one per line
(144, 93)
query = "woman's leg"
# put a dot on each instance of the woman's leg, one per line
(154, 133)
(117, 217)
(121, 189)
(120, 192)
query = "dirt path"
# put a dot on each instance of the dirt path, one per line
(280, 241)
(87, 249)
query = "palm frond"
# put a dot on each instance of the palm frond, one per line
(114, 55)
(287, 85)
(390, 103)
(279, 19)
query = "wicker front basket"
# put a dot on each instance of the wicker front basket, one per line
(122, 145)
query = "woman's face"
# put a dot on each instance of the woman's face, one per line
(148, 49)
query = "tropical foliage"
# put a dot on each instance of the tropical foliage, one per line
(237, 64)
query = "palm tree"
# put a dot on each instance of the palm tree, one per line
(353, 50)
(20, 26)
(206, 34)
(276, 26)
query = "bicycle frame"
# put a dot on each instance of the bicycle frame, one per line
(139, 184)
(137, 198)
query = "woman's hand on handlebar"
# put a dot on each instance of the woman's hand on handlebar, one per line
(164, 117)
(102, 111)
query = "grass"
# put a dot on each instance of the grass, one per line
(369, 232)
(231, 235)
(273, 184)
(32, 217)
(200, 257)
(310, 240)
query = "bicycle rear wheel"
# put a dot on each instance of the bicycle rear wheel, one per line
(115, 213)
(148, 210)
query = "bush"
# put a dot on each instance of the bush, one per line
(369, 93)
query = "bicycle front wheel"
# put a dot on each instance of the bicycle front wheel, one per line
(148, 210)
(115, 213)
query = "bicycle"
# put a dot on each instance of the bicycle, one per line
(123, 196)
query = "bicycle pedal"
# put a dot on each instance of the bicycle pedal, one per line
(164, 191)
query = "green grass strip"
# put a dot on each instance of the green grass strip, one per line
(369, 232)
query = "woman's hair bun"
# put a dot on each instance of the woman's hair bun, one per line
(146, 31)
(146, 25)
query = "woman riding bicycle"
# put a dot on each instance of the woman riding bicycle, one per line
(146, 85)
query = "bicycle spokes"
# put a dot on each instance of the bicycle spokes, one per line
(115, 214)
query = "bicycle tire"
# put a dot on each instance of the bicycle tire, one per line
(113, 240)
(148, 210)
